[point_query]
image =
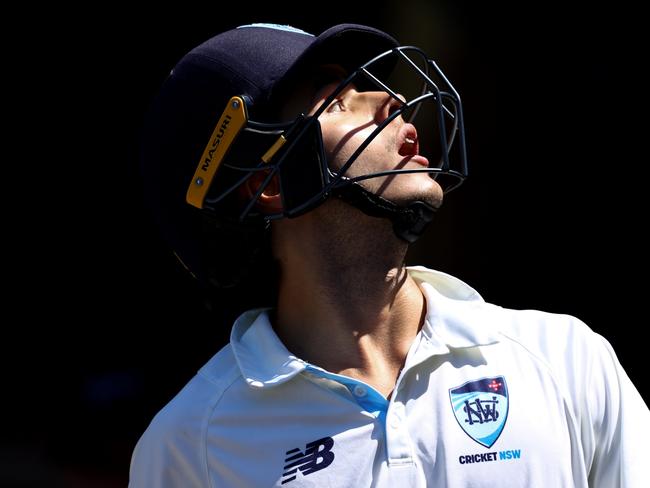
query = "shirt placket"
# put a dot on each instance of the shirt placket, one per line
(392, 415)
(398, 440)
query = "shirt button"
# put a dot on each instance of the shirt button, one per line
(359, 391)
(394, 423)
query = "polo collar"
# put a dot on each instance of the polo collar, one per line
(457, 317)
(262, 357)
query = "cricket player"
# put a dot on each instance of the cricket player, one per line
(336, 151)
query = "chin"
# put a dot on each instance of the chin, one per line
(434, 200)
(408, 189)
(431, 194)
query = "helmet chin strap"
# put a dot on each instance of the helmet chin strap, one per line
(409, 222)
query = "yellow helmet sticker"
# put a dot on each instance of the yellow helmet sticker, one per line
(230, 123)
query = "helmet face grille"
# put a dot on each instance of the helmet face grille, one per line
(427, 100)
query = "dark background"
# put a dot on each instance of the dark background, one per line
(104, 327)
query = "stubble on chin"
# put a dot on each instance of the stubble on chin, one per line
(398, 193)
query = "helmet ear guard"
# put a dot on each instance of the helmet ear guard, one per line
(304, 173)
(240, 147)
(300, 163)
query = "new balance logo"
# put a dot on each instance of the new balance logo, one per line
(317, 455)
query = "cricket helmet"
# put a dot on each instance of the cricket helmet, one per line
(216, 122)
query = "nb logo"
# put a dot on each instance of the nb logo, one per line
(318, 455)
(482, 411)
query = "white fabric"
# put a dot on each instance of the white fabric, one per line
(247, 419)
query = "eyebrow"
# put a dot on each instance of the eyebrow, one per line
(319, 93)
(324, 77)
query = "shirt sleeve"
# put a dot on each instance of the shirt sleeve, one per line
(618, 421)
(169, 454)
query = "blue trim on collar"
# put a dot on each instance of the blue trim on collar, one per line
(365, 395)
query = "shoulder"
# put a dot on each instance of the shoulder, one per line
(608, 418)
(581, 362)
(562, 342)
(189, 408)
(549, 335)
(171, 446)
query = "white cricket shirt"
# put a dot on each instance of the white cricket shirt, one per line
(488, 397)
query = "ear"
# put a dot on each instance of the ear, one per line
(270, 200)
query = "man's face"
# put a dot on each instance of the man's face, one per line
(350, 119)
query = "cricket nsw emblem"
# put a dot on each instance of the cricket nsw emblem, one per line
(481, 408)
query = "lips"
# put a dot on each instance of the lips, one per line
(409, 146)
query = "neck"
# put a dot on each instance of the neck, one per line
(346, 302)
